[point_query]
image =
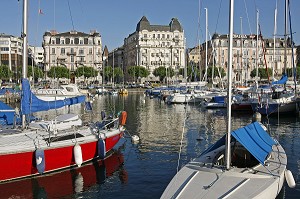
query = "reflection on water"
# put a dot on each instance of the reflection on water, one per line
(152, 162)
(67, 182)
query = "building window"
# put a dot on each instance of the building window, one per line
(53, 50)
(81, 41)
(81, 51)
(72, 41)
(153, 35)
(72, 50)
(90, 51)
(62, 41)
(62, 51)
(72, 58)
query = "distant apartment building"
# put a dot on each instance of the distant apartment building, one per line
(11, 49)
(247, 54)
(37, 54)
(72, 50)
(152, 46)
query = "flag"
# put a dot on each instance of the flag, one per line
(41, 12)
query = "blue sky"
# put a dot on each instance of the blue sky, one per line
(116, 19)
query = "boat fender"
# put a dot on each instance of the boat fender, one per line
(289, 178)
(101, 148)
(77, 154)
(40, 160)
(135, 138)
(122, 118)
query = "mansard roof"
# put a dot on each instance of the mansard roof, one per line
(72, 33)
(144, 24)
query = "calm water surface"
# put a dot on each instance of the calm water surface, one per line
(143, 170)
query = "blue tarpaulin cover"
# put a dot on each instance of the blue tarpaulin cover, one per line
(255, 139)
(30, 103)
(283, 80)
(7, 114)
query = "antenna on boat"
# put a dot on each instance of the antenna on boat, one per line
(25, 49)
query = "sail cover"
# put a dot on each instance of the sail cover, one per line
(283, 80)
(30, 103)
(7, 114)
(255, 139)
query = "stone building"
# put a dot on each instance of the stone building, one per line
(72, 49)
(11, 52)
(245, 56)
(152, 46)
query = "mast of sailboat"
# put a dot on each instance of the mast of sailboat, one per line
(206, 42)
(257, 18)
(229, 80)
(292, 46)
(25, 48)
(285, 36)
(274, 38)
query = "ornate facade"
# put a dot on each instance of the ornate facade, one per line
(72, 49)
(152, 46)
(245, 56)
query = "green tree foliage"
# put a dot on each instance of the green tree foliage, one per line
(86, 71)
(262, 73)
(290, 72)
(5, 73)
(160, 72)
(191, 72)
(118, 74)
(38, 73)
(58, 72)
(216, 71)
(138, 71)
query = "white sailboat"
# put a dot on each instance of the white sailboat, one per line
(245, 163)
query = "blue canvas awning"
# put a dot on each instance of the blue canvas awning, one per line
(30, 103)
(255, 139)
(283, 80)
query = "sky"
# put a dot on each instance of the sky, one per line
(116, 19)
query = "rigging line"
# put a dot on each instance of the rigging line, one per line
(71, 14)
(181, 141)
(218, 16)
(247, 16)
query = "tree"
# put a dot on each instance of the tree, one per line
(216, 71)
(138, 71)
(191, 73)
(118, 73)
(86, 71)
(58, 72)
(38, 73)
(262, 73)
(160, 72)
(290, 72)
(5, 72)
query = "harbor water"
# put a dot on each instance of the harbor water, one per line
(170, 136)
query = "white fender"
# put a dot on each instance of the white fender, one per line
(289, 178)
(135, 138)
(77, 154)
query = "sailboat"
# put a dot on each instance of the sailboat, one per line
(244, 163)
(45, 146)
(282, 101)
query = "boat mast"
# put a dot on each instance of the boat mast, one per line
(229, 79)
(25, 48)
(206, 42)
(285, 35)
(274, 38)
(257, 18)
